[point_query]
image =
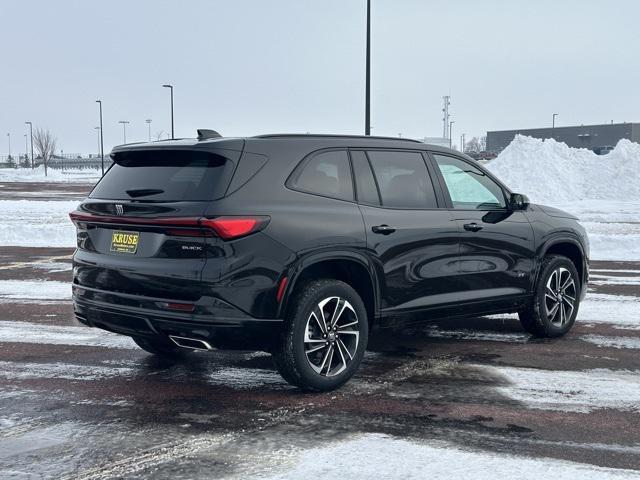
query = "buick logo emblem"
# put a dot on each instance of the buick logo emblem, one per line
(119, 209)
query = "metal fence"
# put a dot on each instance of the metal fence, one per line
(67, 161)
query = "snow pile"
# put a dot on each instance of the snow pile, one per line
(549, 172)
(31, 223)
(88, 175)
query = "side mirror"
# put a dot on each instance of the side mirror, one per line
(518, 201)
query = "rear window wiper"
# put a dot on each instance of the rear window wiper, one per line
(143, 192)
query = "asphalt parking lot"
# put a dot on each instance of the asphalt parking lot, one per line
(86, 404)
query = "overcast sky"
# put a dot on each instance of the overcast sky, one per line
(245, 67)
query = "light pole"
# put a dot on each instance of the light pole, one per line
(148, 121)
(451, 132)
(99, 102)
(31, 130)
(171, 88)
(9, 137)
(367, 88)
(98, 129)
(124, 130)
(553, 122)
(26, 148)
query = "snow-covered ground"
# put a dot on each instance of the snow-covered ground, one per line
(381, 456)
(37, 175)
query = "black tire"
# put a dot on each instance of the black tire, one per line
(160, 347)
(347, 339)
(536, 318)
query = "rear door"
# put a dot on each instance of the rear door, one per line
(496, 243)
(139, 233)
(413, 239)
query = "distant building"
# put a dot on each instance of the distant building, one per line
(599, 138)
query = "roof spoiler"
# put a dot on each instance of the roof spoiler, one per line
(204, 134)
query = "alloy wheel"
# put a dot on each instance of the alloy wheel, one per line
(331, 336)
(560, 296)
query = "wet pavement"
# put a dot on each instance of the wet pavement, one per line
(86, 404)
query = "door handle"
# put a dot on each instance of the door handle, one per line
(383, 229)
(472, 227)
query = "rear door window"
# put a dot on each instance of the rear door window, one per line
(403, 179)
(166, 176)
(327, 174)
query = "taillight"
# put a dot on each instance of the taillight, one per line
(229, 228)
(226, 228)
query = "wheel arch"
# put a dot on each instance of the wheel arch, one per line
(571, 248)
(353, 268)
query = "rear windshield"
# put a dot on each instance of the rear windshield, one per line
(165, 176)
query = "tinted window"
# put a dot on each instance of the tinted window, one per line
(403, 179)
(366, 189)
(165, 175)
(469, 187)
(327, 174)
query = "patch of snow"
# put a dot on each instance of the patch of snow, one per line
(37, 175)
(613, 342)
(245, 378)
(68, 371)
(35, 290)
(35, 223)
(466, 334)
(612, 309)
(550, 172)
(600, 279)
(27, 332)
(572, 391)
(382, 456)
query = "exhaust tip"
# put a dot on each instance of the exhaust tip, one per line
(190, 343)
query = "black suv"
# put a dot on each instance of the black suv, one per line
(298, 244)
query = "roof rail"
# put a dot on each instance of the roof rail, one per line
(319, 135)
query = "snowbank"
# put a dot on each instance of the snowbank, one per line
(550, 172)
(35, 223)
(37, 175)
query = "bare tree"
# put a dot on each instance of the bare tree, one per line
(483, 143)
(473, 145)
(158, 135)
(45, 144)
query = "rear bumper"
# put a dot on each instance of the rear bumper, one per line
(212, 320)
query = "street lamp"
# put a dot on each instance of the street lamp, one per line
(99, 102)
(26, 148)
(553, 122)
(451, 132)
(99, 131)
(9, 137)
(367, 88)
(148, 121)
(124, 130)
(171, 88)
(31, 129)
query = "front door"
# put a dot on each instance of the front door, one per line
(414, 241)
(496, 243)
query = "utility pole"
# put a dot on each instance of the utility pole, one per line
(31, 129)
(101, 138)
(451, 132)
(26, 148)
(9, 137)
(445, 116)
(367, 88)
(148, 122)
(553, 122)
(171, 88)
(124, 129)
(462, 142)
